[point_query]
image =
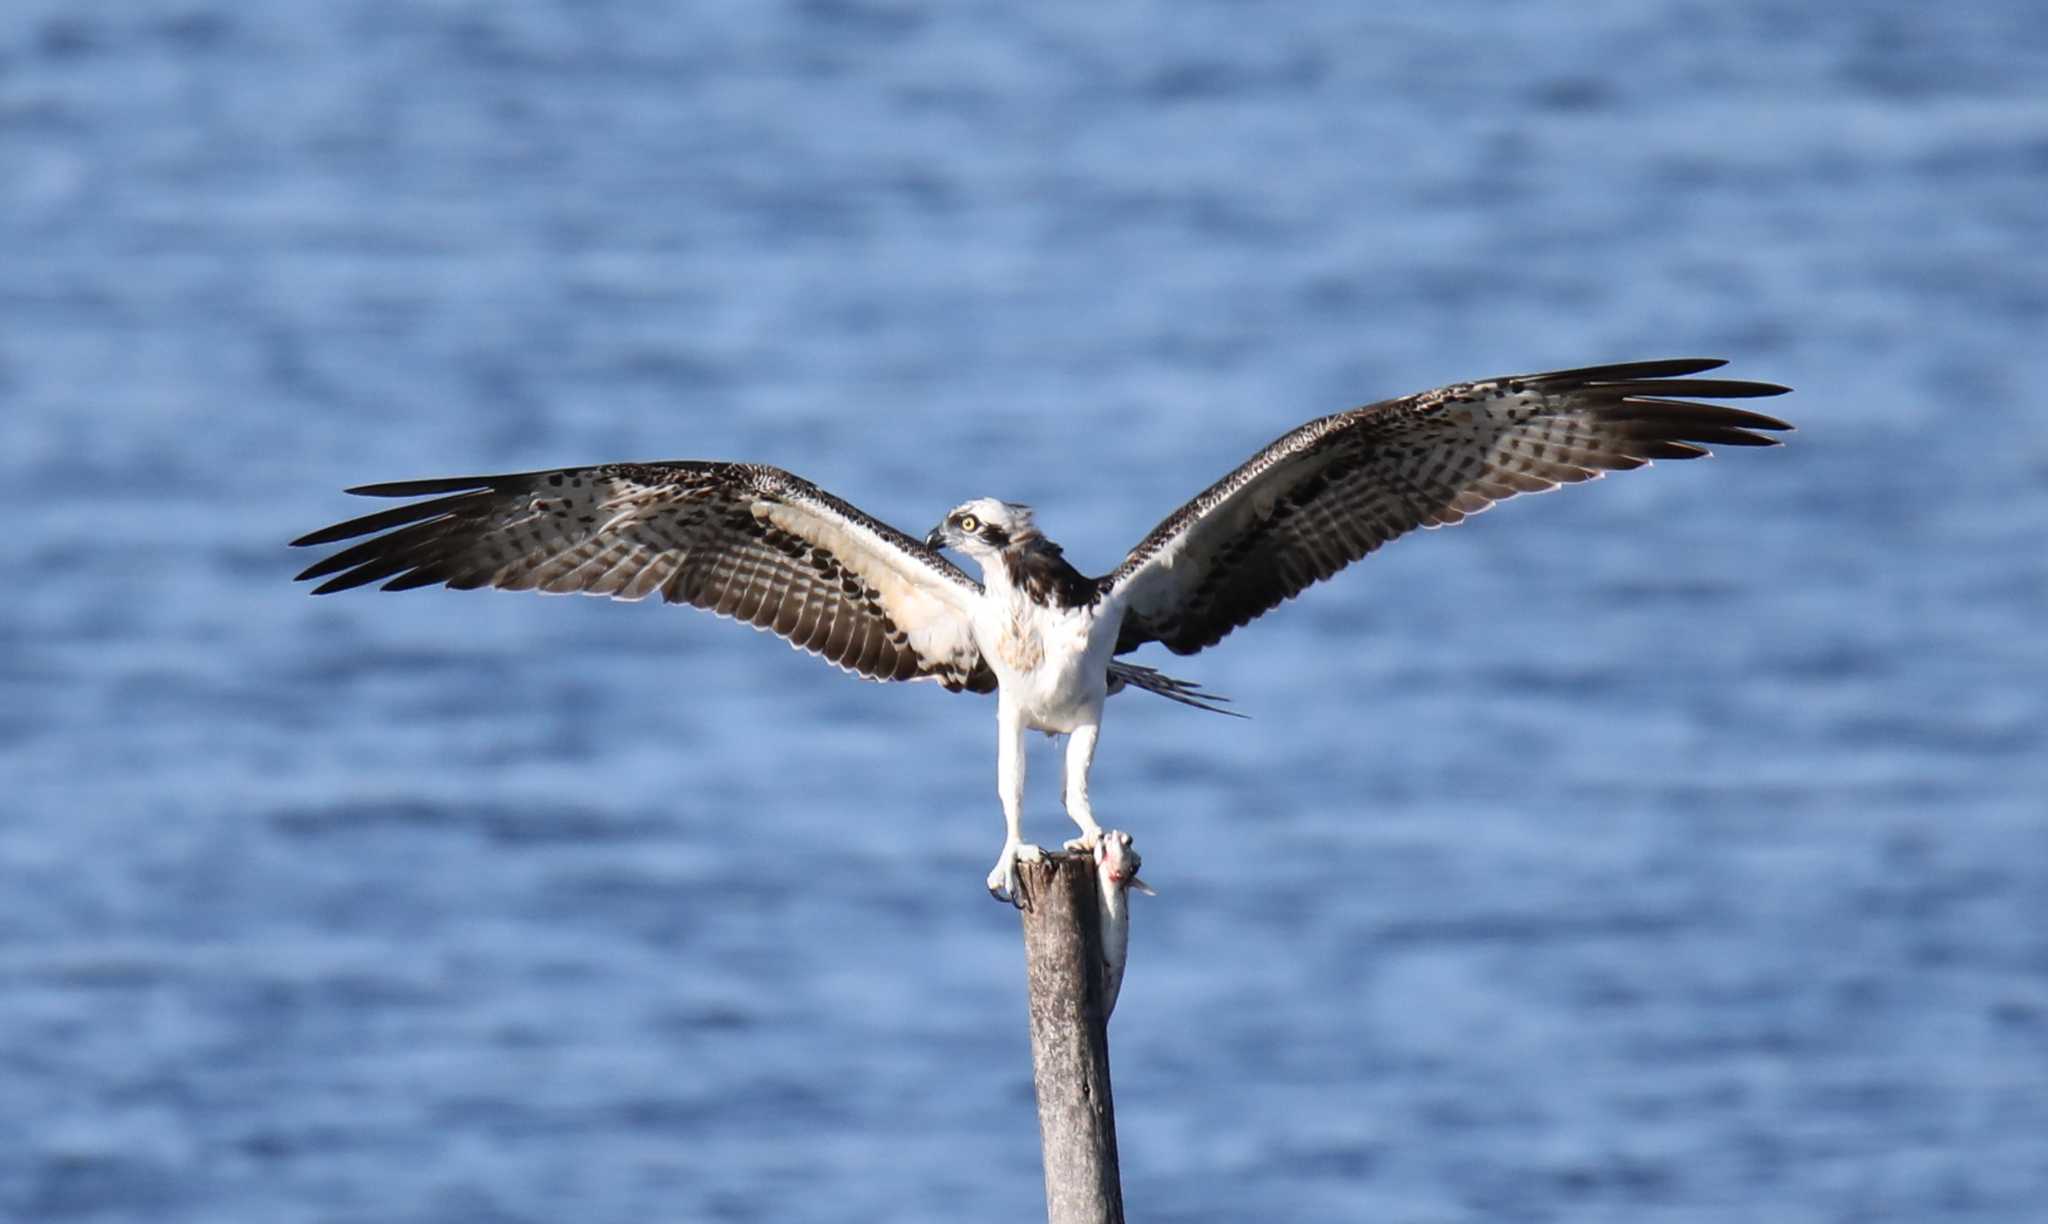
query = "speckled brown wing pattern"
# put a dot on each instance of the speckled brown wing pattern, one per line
(1337, 488)
(748, 542)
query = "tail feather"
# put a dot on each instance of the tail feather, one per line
(1186, 692)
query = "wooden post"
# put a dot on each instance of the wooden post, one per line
(1070, 1040)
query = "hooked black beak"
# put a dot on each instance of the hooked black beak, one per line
(935, 539)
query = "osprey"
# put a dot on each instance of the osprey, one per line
(762, 546)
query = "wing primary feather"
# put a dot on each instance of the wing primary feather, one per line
(425, 575)
(384, 520)
(407, 540)
(1671, 367)
(1691, 388)
(1665, 448)
(364, 574)
(1652, 408)
(444, 484)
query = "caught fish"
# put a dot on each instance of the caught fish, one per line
(1116, 874)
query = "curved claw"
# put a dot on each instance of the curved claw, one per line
(1002, 879)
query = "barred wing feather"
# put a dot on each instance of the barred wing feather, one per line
(745, 541)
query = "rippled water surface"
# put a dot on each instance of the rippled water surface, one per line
(1673, 849)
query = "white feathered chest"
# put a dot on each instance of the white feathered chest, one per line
(1051, 661)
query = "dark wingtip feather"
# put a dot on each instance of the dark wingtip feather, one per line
(1668, 367)
(326, 535)
(425, 576)
(343, 582)
(1666, 448)
(420, 488)
(1669, 375)
(1691, 388)
(1650, 408)
(384, 520)
(1732, 437)
(1669, 409)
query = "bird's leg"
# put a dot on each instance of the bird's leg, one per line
(1081, 755)
(1002, 880)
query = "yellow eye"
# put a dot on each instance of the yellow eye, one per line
(969, 524)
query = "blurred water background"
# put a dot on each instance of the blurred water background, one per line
(1672, 849)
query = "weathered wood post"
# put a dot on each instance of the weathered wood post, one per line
(1070, 1039)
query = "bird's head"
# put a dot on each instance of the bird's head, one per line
(983, 527)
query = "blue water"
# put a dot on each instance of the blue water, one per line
(1672, 849)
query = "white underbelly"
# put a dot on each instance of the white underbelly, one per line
(1063, 702)
(1052, 665)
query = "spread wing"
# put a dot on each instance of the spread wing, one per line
(752, 543)
(1337, 488)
